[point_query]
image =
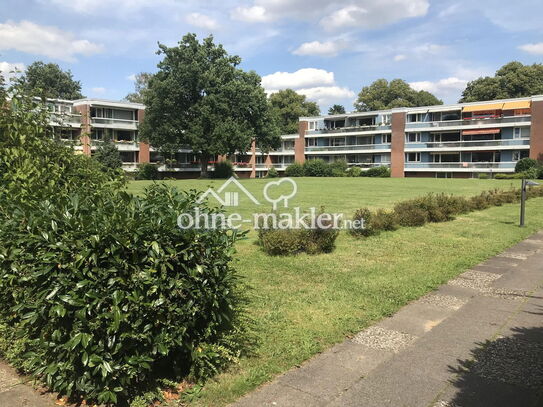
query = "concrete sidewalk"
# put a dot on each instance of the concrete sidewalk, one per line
(476, 341)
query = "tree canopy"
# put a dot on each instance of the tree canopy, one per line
(141, 83)
(50, 81)
(512, 80)
(288, 106)
(336, 109)
(108, 155)
(200, 98)
(382, 95)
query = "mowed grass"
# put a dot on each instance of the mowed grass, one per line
(302, 305)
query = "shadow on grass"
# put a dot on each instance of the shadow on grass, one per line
(504, 372)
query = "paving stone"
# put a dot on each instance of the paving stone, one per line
(332, 372)
(443, 301)
(384, 339)
(275, 395)
(477, 280)
(416, 319)
(464, 293)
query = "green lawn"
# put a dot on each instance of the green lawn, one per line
(304, 304)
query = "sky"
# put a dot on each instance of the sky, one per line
(327, 50)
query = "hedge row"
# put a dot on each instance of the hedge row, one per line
(338, 168)
(432, 208)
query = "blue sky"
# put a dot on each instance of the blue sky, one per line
(327, 50)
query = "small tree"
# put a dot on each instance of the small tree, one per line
(288, 106)
(108, 155)
(526, 164)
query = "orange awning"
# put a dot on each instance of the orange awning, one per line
(480, 131)
(523, 104)
(483, 108)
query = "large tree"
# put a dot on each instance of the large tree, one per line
(288, 106)
(512, 80)
(336, 109)
(382, 95)
(200, 98)
(141, 83)
(50, 81)
(3, 92)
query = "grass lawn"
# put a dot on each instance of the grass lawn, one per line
(302, 305)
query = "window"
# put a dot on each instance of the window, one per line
(310, 142)
(288, 145)
(413, 157)
(387, 138)
(312, 125)
(519, 132)
(412, 137)
(386, 120)
(519, 155)
(338, 141)
(97, 134)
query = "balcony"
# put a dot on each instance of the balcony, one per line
(65, 119)
(468, 145)
(369, 165)
(315, 149)
(343, 130)
(505, 166)
(114, 123)
(512, 121)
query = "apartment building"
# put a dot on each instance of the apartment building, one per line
(449, 141)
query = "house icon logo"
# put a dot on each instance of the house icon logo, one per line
(230, 198)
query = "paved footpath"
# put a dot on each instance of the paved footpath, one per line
(475, 342)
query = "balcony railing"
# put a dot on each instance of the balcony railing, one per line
(468, 144)
(111, 121)
(353, 129)
(369, 165)
(460, 165)
(349, 147)
(469, 122)
(65, 118)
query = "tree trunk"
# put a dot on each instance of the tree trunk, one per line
(204, 159)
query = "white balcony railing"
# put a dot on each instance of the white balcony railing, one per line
(470, 122)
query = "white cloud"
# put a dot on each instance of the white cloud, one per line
(98, 90)
(101, 6)
(323, 49)
(131, 77)
(536, 49)
(9, 70)
(317, 84)
(255, 14)
(303, 78)
(334, 15)
(446, 89)
(44, 40)
(400, 57)
(202, 21)
(326, 94)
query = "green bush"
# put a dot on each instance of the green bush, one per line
(108, 155)
(148, 171)
(509, 176)
(339, 168)
(317, 168)
(120, 294)
(526, 164)
(384, 220)
(223, 170)
(295, 170)
(272, 173)
(483, 175)
(354, 172)
(381, 171)
(409, 213)
(288, 242)
(364, 217)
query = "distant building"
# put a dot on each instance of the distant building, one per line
(447, 141)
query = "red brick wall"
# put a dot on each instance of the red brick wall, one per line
(145, 153)
(397, 156)
(299, 143)
(536, 137)
(84, 111)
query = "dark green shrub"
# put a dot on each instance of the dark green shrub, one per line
(531, 173)
(339, 168)
(483, 175)
(286, 242)
(364, 217)
(384, 220)
(409, 213)
(120, 294)
(223, 170)
(272, 173)
(108, 155)
(295, 170)
(382, 172)
(526, 164)
(317, 168)
(148, 171)
(354, 172)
